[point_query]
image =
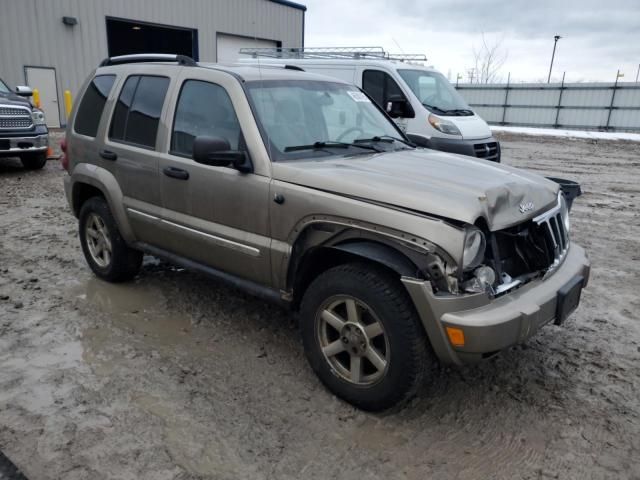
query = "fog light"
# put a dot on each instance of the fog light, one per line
(456, 336)
(483, 279)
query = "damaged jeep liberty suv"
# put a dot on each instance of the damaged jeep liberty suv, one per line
(299, 189)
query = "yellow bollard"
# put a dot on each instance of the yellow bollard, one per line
(36, 98)
(67, 102)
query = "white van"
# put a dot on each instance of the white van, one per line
(420, 99)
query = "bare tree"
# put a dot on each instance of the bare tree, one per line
(488, 58)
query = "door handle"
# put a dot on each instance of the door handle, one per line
(108, 155)
(176, 173)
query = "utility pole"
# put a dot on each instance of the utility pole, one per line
(555, 42)
(638, 73)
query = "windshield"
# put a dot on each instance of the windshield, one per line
(307, 118)
(435, 92)
(3, 87)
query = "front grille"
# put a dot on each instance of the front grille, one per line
(488, 151)
(555, 238)
(12, 118)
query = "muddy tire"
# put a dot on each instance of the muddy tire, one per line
(34, 161)
(104, 249)
(363, 338)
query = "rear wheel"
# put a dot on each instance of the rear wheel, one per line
(362, 336)
(34, 161)
(104, 248)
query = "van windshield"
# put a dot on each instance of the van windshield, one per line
(310, 119)
(435, 93)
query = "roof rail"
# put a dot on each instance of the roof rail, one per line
(358, 53)
(149, 57)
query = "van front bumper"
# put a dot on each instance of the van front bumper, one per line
(490, 325)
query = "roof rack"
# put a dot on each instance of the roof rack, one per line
(358, 53)
(149, 57)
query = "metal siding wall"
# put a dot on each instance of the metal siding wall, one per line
(535, 104)
(32, 32)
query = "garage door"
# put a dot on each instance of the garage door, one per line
(228, 46)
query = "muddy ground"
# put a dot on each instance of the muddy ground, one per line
(175, 376)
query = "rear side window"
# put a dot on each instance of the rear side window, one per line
(137, 113)
(204, 109)
(92, 105)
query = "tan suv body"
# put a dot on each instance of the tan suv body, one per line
(299, 189)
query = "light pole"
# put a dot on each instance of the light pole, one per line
(555, 42)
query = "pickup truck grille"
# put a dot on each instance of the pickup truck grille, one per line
(14, 118)
(488, 151)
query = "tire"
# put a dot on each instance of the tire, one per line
(120, 263)
(378, 298)
(34, 161)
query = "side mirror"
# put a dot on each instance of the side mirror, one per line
(216, 152)
(24, 91)
(397, 106)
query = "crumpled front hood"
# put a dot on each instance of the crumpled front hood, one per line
(437, 183)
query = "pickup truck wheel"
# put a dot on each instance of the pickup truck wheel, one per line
(33, 161)
(104, 249)
(363, 337)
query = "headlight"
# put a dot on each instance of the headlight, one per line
(38, 117)
(474, 246)
(442, 125)
(564, 211)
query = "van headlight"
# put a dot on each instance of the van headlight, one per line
(442, 125)
(38, 117)
(564, 211)
(474, 247)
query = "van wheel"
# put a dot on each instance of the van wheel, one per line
(33, 161)
(363, 338)
(104, 249)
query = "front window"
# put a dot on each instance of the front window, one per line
(305, 118)
(435, 92)
(4, 88)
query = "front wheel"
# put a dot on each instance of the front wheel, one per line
(362, 336)
(33, 161)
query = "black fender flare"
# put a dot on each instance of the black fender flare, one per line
(381, 253)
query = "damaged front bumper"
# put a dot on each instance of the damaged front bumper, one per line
(490, 325)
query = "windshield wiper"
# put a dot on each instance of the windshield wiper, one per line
(460, 111)
(321, 145)
(384, 138)
(434, 108)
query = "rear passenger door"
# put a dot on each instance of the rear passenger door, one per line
(131, 147)
(217, 216)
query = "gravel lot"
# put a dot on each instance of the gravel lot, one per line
(175, 376)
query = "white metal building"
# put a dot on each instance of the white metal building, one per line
(52, 45)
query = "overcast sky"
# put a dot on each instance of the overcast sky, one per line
(598, 36)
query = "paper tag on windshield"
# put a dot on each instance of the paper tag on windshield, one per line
(358, 96)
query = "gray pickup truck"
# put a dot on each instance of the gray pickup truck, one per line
(298, 188)
(23, 131)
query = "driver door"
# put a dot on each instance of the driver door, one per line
(217, 216)
(380, 86)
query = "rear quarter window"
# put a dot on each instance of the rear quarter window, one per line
(92, 104)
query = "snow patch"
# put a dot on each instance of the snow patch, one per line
(553, 132)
